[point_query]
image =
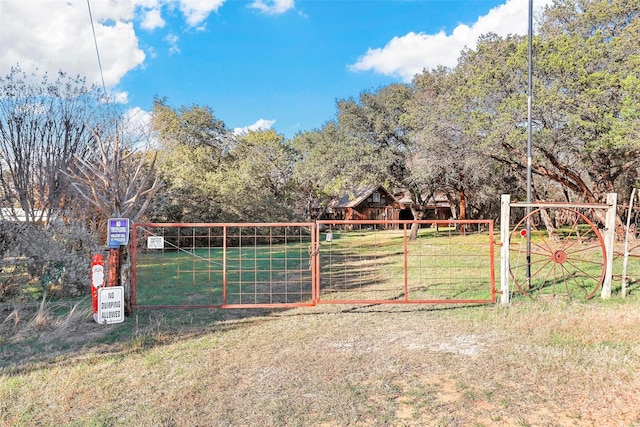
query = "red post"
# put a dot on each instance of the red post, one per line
(114, 266)
(97, 280)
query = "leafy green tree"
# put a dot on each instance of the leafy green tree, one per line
(255, 178)
(588, 93)
(377, 138)
(193, 143)
(324, 168)
(449, 160)
(408, 137)
(585, 88)
(372, 129)
(210, 175)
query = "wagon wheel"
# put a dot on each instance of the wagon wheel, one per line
(571, 262)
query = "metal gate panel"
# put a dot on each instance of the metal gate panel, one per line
(376, 262)
(223, 265)
(261, 265)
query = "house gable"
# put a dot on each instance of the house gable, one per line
(369, 203)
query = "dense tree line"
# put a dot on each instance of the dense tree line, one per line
(462, 131)
(458, 131)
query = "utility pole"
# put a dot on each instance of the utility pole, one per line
(529, 150)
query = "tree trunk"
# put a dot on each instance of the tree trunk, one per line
(463, 210)
(548, 223)
(418, 214)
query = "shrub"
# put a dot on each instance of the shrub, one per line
(57, 258)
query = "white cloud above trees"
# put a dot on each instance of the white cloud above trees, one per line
(54, 36)
(261, 124)
(406, 56)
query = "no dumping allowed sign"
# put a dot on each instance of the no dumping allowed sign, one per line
(111, 305)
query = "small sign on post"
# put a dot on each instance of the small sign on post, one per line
(118, 231)
(155, 242)
(111, 305)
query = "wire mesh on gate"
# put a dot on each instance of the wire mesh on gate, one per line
(222, 265)
(379, 262)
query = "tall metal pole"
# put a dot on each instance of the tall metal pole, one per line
(529, 154)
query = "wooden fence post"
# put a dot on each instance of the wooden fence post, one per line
(505, 207)
(609, 239)
(625, 260)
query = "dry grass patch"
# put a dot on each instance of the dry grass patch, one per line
(531, 364)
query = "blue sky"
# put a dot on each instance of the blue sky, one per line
(277, 64)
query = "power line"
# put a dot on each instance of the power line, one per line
(95, 41)
(529, 133)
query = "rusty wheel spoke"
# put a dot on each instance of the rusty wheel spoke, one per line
(571, 262)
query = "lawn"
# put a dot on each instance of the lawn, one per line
(555, 363)
(541, 361)
(440, 265)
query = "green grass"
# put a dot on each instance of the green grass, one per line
(440, 265)
(542, 363)
(257, 274)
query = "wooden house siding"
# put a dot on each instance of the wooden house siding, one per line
(371, 203)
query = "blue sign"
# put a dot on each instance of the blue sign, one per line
(118, 231)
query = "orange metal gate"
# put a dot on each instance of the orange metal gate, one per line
(245, 265)
(223, 265)
(377, 262)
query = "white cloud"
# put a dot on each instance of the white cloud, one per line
(261, 124)
(152, 20)
(121, 97)
(408, 55)
(196, 11)
(273, 6)
(137, 128)
(172, 41)
(137, 118)
(57, 35)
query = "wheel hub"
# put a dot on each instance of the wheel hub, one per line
(559, 257)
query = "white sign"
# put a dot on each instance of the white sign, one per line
(118, 231)
(155, 242)
(111, 304)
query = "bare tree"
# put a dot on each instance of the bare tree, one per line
(43, 125)
(118, 180)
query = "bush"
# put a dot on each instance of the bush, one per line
(56, 259)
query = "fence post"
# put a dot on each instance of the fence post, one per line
(113, 263)
(505, 207)
(625, 260)
(609, 238)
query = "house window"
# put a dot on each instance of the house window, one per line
(376, 197)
